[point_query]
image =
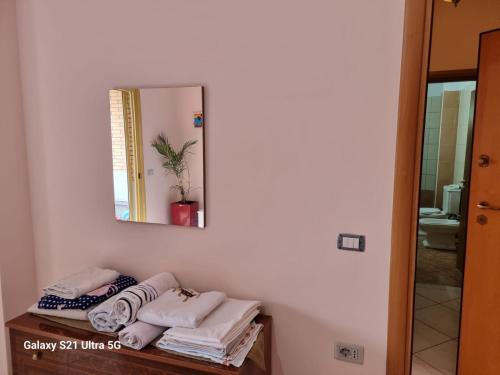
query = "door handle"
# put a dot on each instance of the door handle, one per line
(484, 161)
(486, 206)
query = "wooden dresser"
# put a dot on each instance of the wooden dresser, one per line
(149, 361)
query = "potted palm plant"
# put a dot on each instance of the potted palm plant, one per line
(183, 212)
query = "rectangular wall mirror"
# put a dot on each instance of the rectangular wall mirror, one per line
(158, 155)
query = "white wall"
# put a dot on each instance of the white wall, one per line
(301, 118)
(17, 270)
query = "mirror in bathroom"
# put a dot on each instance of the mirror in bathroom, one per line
(157, 138)
(445, 171)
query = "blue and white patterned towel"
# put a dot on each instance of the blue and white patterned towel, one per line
(99, 295)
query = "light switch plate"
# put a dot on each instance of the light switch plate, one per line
(352, 242)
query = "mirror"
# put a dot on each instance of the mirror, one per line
(158, 148)
(442, 225)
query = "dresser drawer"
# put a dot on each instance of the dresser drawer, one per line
(34, 361)
(80, 361)
(113, 362)
(26, 365)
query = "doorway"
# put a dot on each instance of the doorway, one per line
(442, 225)
(417, 183)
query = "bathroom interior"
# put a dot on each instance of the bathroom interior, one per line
(442, 226)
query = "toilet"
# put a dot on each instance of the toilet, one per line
(439, 231)
(431, 212)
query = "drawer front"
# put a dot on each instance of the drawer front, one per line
(82, 362)
(108, 362)
(26, 365)
(28, 361)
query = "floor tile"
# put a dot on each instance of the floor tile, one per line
(442, 357)
(425, 337)
(438, 293)
(420, 367)
(442, 319)
(421, 302)
(454, 304)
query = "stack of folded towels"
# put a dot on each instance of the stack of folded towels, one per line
(204, 325)
(226, 336)
(72, 297)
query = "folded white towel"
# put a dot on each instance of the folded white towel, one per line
(223, 325)
(129, 301)
(139, 334)
(240, 347)
(77, 284)
(180, 308)
(68, 313)
(101, 317)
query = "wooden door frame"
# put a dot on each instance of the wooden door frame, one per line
(409, 143)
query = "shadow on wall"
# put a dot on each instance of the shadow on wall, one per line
(4, 354)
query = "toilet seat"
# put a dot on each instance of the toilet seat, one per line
(431, 212)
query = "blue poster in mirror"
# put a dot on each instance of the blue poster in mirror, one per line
(198, 119)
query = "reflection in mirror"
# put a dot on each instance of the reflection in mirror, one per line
(157, 145)
(446, 162)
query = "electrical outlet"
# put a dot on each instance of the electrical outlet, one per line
(349, 353)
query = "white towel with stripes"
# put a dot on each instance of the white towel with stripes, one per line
(129, 301)
(101, 316)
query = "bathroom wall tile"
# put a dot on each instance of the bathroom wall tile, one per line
(431, 166)
(462, 131)
(447, 150)
(458, 174)
(433, 136)
(425, 153)
(423, 182)
(451, 99)
(431, 182)
(435, 120)
(449, 118)
(436, 104)
(433, 151)
(460, 151)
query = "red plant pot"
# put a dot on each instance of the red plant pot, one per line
(184, 213)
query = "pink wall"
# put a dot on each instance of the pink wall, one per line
(301, 122)
(17, 270)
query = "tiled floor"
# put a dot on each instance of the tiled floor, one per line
(435, 335)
